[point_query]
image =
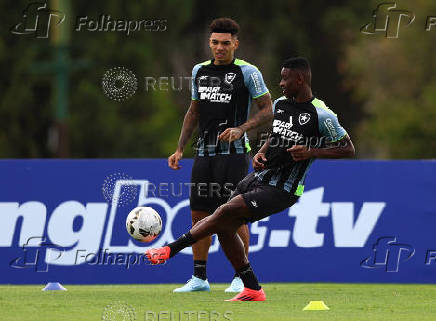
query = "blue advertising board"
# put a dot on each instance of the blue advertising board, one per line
(357, 221)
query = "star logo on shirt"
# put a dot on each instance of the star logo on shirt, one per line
(303, 118)
(280, 111)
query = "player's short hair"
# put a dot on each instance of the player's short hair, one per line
(224, 25)
(300, 63)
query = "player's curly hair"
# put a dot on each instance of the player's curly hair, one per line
(224, 25)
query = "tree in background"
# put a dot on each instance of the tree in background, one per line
(394, 80)
(389, 78)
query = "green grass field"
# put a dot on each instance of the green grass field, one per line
(285, 301)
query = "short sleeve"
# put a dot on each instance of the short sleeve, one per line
(253, 80)
(329, 127)
(275, 103)
(274, 106)
(194, 89)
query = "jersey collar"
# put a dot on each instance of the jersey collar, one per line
(221, 66)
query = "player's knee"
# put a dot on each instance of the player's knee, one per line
(228, 213)
(223, 211)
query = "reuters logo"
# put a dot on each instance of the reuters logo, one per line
(127, 189)
(118, 311)
(119, 84)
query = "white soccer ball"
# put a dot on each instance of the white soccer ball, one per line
(143, 224)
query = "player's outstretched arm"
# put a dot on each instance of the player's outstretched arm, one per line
(343, 148)
(263, 116)
(189, 124)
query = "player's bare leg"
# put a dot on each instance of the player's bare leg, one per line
(225, 221)
(234, 249)
(244, 234)
(200, 249)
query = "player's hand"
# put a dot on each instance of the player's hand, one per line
(300, 152)
(259, 161)
(173, 160)
(231, 134)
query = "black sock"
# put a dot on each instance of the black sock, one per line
(248, 277)
(183, 241)
(236, 275)
(200, 269)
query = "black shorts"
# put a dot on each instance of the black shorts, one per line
(262, 199)
(214, 178)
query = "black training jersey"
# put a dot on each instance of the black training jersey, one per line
(311, 124)
(224, 93)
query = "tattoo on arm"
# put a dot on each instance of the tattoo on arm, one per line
(263, 116)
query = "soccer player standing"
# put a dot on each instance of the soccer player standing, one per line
(222, 91)
(303, 129)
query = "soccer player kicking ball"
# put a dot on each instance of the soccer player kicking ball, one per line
(303, 129)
